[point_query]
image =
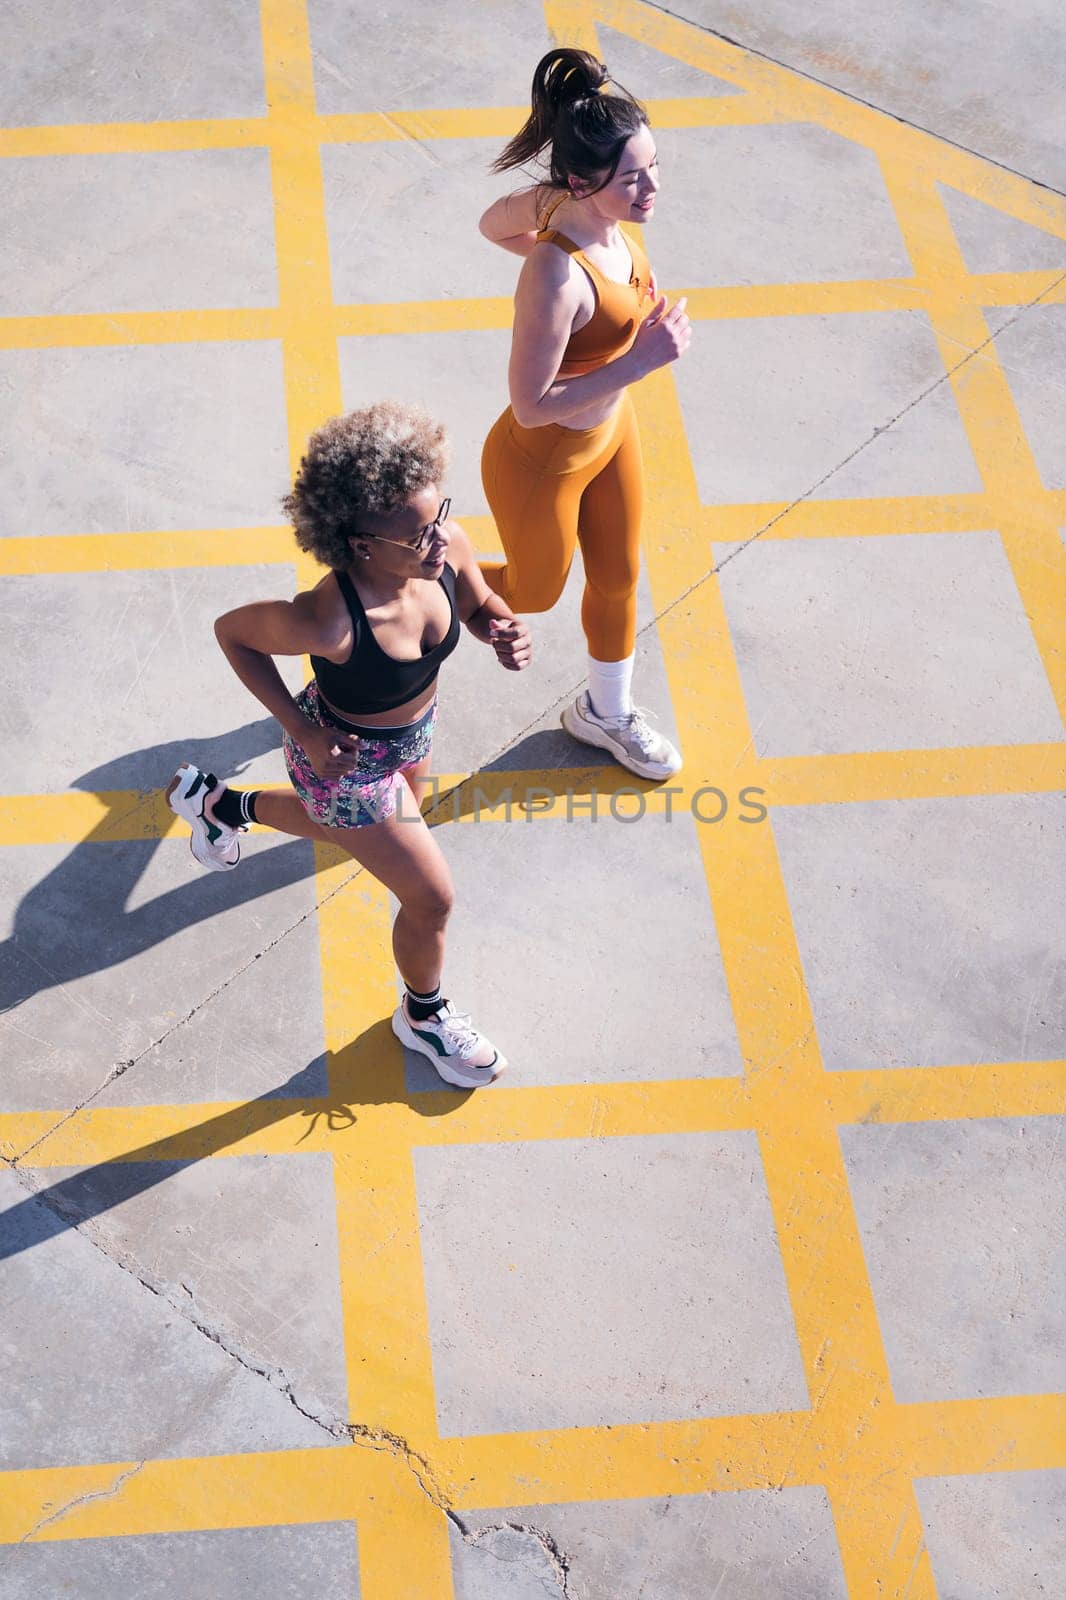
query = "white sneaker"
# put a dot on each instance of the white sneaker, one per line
(214, 846)
(629, 739)
(461, 1055)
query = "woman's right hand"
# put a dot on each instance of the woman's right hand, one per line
(662, 337)
(331, 752)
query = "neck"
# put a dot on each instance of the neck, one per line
(592, 227)
(378, 581)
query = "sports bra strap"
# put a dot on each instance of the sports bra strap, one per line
(351, 599)
(549, 212)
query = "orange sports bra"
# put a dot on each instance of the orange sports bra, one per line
(620, 307)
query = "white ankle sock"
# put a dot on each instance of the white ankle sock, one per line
(610, 687)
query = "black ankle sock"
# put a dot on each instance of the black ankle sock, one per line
(422, 1006)
(236, 807)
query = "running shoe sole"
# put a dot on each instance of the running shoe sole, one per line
(450, 1068)
(185, 790)
(588, 733)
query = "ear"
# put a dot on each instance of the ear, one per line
(361, 549)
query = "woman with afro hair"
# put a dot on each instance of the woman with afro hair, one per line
(402, 577)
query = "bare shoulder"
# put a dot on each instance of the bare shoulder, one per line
(320, 615)
(550, 272)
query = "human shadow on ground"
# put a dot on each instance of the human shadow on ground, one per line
(74, 920)
(366, 1072)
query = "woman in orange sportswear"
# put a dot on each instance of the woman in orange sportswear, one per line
(562, 465)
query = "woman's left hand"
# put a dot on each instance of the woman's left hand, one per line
(512, 643)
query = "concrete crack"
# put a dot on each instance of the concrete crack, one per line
(80, 1500)
(355, 1433)
(558, 1561)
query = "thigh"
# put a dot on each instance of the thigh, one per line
(417, 785)
(401, 853)
(535, 507)
(612, 510)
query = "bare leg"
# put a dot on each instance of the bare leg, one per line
(403, 855)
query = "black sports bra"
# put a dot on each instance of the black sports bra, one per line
(371, 680)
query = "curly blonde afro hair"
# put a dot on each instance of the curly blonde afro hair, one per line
(369, 461)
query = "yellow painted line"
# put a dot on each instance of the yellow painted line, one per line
(854, 1438)
(1015, 1433)
(382, 127)
(367, 1102)
(97, 329)
(131, 552)
(802, 100)
(836, 298)
(104, 329)
(134, 138)
(106, 817)
(770, 1450)
(801, 299)
(877, 1520)
(367, 1094)
(912, 774)
(628, 1461)
(738, 786)
(258, 1489)
(422, 316)
(1016, 288)
(777, 1449)
(1030, 533)
(939, 1094)
(848, 519)
(716, 111)
(382, 1297)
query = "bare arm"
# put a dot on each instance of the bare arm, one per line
(551, 292)
(487, 616)
(511, 221)
(253, 635)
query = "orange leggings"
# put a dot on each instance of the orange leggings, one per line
(552, 488)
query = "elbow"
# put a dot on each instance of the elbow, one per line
(526, 416)
(223, 632)
(484, 226)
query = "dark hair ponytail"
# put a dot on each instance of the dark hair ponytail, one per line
(577, 118)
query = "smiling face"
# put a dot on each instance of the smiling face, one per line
(630, 195)
(410, 542)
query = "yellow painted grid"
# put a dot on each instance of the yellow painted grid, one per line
(855, 1439)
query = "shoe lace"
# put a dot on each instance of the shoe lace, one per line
(460, 1031)
(638, 726)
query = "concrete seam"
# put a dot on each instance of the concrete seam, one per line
(840, 465)
(848, 94)
(120, 1068)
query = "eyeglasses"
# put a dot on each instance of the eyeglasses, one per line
(424, 534)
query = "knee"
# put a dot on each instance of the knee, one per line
(535, 594)
(431, 904)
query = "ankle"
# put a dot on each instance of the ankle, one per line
(422, 1004)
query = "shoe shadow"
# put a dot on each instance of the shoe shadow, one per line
(366, 1072)
(74, 921)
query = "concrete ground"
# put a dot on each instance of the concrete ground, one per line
(747, 1282)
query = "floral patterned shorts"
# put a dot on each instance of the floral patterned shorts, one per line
(368, 794)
